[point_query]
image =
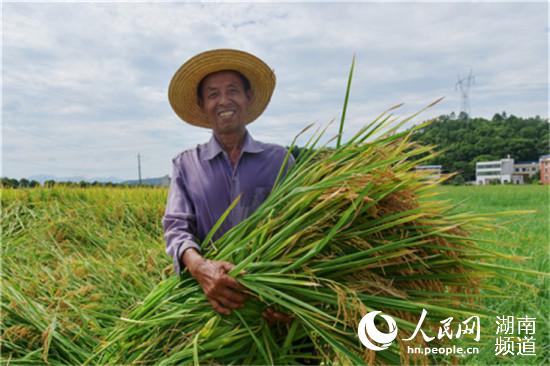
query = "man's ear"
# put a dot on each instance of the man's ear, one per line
(249, 94)
(200, 102)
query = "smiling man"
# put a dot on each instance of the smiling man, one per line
(222, 90)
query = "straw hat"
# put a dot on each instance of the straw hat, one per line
(182, 92)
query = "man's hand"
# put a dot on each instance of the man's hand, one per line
(222, 291)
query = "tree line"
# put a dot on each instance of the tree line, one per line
(463, 141)
(6, 182)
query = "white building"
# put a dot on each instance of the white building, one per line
(524, 170)
(435, 170)
(505, 171)
(500, 171)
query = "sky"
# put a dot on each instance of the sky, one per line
(84, 85)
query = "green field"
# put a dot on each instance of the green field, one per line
(524, 235)
(75, 260)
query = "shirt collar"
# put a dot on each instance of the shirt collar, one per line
(213, 147)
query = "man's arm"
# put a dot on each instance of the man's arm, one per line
(179, 221)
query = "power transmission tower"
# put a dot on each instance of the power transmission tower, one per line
(139, 168)
(464, 85)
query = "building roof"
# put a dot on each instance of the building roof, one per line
(428, 167)
(489, 162)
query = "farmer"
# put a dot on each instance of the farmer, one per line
(223, 90)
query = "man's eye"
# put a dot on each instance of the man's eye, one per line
(212, 95)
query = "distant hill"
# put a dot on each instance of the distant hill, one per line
(162, 181)
(464, 141)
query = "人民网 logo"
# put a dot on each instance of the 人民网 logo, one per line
(367, 331)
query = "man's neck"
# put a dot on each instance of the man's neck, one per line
(232, 144)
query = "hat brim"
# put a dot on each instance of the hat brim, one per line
(182, 92)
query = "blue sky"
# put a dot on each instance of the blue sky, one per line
(85, 84)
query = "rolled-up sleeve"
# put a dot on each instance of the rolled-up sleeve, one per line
(179, 219)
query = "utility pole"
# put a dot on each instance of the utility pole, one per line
(139, 168)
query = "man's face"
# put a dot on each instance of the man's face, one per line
(225, 101)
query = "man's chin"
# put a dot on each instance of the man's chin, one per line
(229, 127)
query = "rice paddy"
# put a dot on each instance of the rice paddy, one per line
(74, 261)
(526, 235)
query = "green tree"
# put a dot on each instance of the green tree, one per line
(24, 183)
(464, 140)
(9, 182)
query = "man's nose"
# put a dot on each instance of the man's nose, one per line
(224, 98)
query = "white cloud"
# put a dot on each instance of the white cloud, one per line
(85, 83)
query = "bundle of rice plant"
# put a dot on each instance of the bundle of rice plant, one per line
(349, 230)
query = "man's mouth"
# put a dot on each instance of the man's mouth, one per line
(226, 114)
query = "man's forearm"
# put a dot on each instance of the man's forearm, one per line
(191, 259)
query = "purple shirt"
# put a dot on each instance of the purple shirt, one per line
(204, 184)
